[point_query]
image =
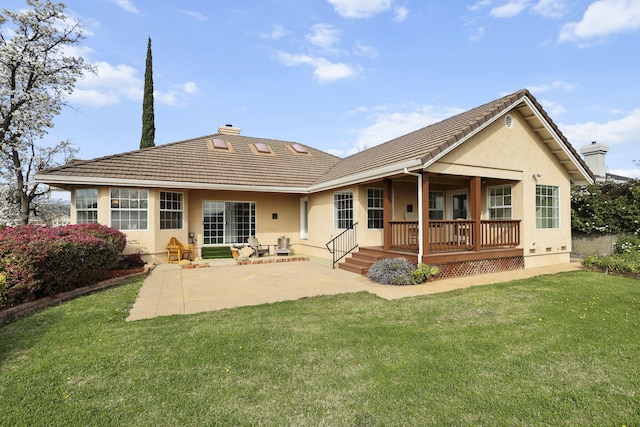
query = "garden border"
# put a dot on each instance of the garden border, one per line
(12, 313)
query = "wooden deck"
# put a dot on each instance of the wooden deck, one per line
(451, 264)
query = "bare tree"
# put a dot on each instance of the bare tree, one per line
(36, 76)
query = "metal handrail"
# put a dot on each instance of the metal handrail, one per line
(343, 244)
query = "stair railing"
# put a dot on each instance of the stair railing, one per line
(343, 244)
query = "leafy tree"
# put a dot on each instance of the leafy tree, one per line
(148, 119)
(36, 75)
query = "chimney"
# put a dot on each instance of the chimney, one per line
(228, 130)
(594, 158)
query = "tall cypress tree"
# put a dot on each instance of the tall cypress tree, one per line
(148, 118)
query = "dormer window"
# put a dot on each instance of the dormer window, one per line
(261, 148)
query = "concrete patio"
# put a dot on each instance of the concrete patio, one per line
(170, 289)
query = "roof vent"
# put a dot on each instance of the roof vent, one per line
(508, 121)
(228, 130)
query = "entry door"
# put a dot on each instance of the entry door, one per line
(460, 206)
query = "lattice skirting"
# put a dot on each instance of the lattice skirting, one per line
(468, 268)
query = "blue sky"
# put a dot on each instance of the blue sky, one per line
(344, 75)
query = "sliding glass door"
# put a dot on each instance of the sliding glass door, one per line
(228, 222)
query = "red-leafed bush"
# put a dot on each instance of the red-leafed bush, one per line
(39, 261)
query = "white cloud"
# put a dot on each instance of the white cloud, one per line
(603, 18)
(324, 70)
(479, 5)
(401, 14)
(552, 108)
(127, 5)
(557, 84)
(324, 36)
(358, 9)
(615, 132)
(550, 8)
(109, 85)
(390, 125)
(176, 96)
(277, 31)
(113, 84)
(509, 9)
(364, 50)
(195, 15)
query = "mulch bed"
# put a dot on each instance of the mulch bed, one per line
(111, 274)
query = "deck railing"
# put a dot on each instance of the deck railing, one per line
(446, 236)
(343, 244)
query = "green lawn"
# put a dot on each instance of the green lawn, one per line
(553, 350)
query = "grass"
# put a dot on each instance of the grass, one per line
(553, 350)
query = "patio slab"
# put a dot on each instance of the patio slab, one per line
(169, 289)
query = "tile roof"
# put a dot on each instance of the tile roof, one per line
(427, 143)
(196, 161)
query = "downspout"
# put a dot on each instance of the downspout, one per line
(420, 242)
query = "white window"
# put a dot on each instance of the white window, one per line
(343, 209)
(129, 209)
(86, 205)
(547, 206)
(499, 202)
(436, 205)
(171, 207)
(375, 209)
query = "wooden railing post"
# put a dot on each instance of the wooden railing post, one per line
(476, 212)
(387, 213)
(425, 214)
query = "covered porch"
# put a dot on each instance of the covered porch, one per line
(448, 228)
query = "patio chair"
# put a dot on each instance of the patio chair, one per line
(283, 247)
(177, 251)
(257, 247)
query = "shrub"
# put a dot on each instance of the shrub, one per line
(423, 272)
(130, 261)
(621, 263)
(627, 244)
(39, 261)
(392, 271)
(606, 207)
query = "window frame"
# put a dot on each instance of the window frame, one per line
(547, 215)
(435, 209)
(343, 214)
(491, 208)
(375, 211)
(118, 207)
(163, 221)
(86, 208)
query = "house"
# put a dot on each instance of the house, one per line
(483, 191)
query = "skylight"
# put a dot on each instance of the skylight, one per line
(218, 144)
(299, 149)
(263, 148)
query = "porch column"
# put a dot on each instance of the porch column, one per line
(387, 213)
(424, 219)
(476, 211)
